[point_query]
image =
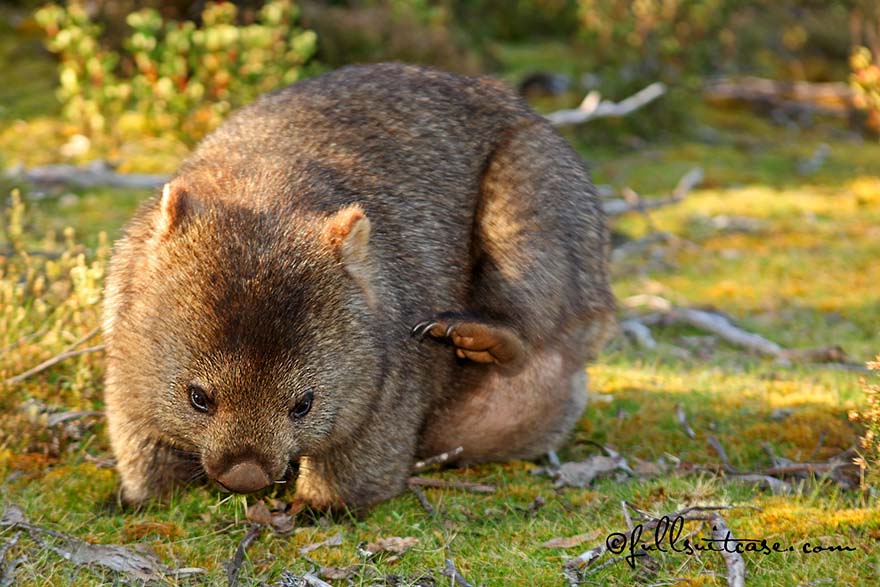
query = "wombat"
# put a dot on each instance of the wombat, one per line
(378, 264)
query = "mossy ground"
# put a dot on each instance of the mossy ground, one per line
(805, 275)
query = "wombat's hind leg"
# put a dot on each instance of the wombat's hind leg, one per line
(477, 341)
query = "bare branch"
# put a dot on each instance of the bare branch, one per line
(593, 106)
(722, 326)
(96, 173)
(618, 206)
(234, 566)
(451, 572)
(682, 420)
(639, 333)
(54, 361)
(440, 484)
(440, 459)
(736, 566)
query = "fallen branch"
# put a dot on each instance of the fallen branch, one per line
(234, 566)
(736, 566)
(440, 484)
(722, 454)
(54, 361)
(618, 206)
(828, 98)
(593, 106)
(722, 326)
(96, 173)
(451, 572)
(639, 333)
(140, 566)
(682, 420)
(423, 499)
(440, 459)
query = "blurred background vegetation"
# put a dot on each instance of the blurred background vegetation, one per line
(173, 67)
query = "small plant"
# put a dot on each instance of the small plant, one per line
(172, 77)
(50, 298)
(869, 460)
(865, 81)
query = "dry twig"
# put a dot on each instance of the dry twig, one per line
(440, 459)
(423, 499)
(54, 361)
(96, 173)
(593, 106)
(440, 484)
(234, 566)
(688, 181)
(722, 326)
(451, 572)
(736, 566)
(682, 420)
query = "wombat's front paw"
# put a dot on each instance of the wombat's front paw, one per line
(474, 340)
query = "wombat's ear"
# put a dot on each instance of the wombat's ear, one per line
(348, 234)
(176, 203)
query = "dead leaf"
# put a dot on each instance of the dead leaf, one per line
(570, 541)
(279, 521)
(393, 544)
(335, 540)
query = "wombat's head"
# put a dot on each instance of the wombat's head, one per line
(243, 336)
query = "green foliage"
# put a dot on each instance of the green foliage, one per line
(657, 39)
(368, 31)
(177, 77)
(865, 80)
(50, 297)
(523, 20)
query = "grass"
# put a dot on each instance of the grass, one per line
(804, 276)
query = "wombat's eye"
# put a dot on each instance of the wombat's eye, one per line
(303, 406)
(198, 398)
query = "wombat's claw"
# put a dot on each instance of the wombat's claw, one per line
(421, 330)
(476, 341)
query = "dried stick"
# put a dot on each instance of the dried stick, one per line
(440, 484)
(234, 568)
(451, 572)
(682, 420)
(440, 459)
(688, 181)
(719, 448)
(423, 499)
(736, 566)
(722, 327)
(54, 361)
(96, 173)
(593, 106)
(639, 333)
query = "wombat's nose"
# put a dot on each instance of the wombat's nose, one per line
(245, 477)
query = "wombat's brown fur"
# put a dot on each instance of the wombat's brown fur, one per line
(259, 312)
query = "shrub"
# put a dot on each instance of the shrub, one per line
(178, 78)
(50, 298)
(869, 461)
(865, 81)
(366, 31)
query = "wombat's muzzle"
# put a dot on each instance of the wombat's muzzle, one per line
(244, 477)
